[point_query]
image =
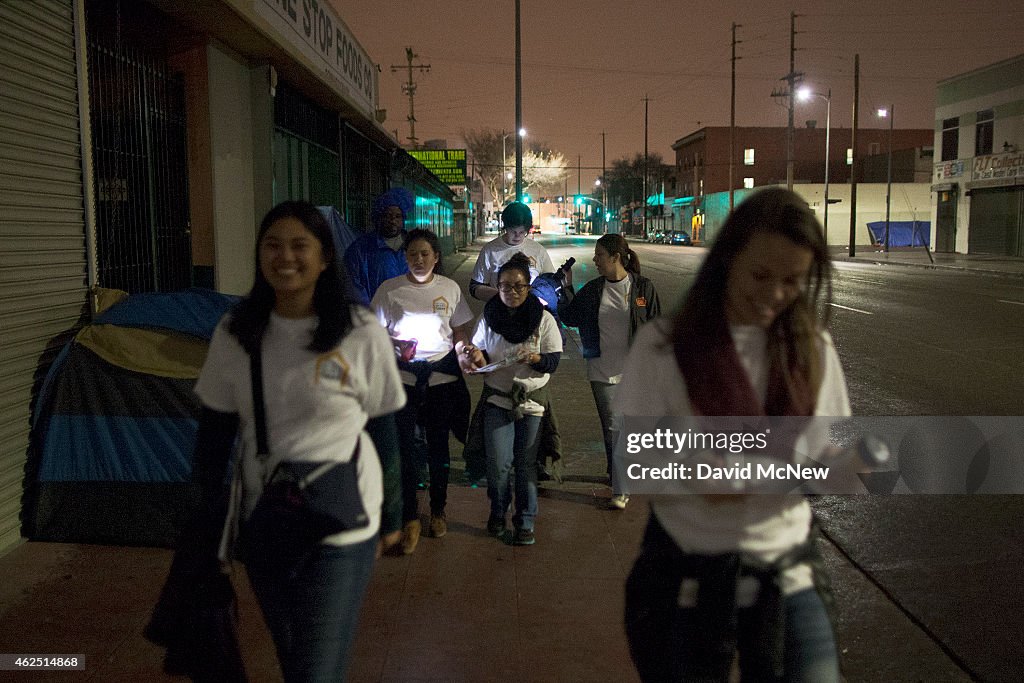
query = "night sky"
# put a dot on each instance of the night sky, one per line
(588, 65)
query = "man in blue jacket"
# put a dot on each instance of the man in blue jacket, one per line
(377, 256)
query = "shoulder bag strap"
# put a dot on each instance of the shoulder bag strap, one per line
(258, 407)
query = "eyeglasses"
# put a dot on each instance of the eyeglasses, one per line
(506, 288)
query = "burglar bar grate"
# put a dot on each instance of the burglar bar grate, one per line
(137, 109)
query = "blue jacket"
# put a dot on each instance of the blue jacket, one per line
(581, 309)
(370, 261)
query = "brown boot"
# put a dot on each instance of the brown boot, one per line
(410, 536)
(438, 525)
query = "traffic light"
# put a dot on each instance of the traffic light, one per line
(526, 199)
(578, 199)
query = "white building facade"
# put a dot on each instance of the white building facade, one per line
(978, 181)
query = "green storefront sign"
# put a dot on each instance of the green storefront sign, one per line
(449, 165)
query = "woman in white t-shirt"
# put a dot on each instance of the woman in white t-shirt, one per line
(521, 342)
(608, 311)
(327, 366)
(719, 574)
(425, 314)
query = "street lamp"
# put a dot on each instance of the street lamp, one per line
(890, 114)
(805, 94)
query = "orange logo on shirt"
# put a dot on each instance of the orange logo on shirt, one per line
(641, 302)
(332, 366)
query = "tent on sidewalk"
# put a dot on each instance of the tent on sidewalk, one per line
(116, 420)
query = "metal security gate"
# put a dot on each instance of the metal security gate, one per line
(997, 221)
(137, 108)
(43, 288)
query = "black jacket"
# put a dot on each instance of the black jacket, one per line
(580, 309)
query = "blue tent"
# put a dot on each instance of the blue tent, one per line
(115, 423)
(902, 233)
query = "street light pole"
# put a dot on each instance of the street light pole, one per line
(805, 94)
(888, 173)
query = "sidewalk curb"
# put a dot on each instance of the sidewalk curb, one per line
(930, 266)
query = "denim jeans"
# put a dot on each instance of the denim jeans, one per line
(511, 445)
(611, 427)
(666, 641)
(312, 610)
(434, 416)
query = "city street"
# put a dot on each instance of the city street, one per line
(913, 341)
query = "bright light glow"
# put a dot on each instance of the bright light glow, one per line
(597, 182)
(803, 94)
(883, 113)
(522, 132)
(426, 329)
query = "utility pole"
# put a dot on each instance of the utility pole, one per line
(732, 118)
(792, 79)
(643, 219)
(519, 110)
(409, 88)
(604, 184)
(853, 160)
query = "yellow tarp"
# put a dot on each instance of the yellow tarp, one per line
(153, 352)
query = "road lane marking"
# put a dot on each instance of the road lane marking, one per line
(860, 279)
(1015, 303)
(855, 310)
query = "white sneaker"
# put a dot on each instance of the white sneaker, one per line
(619, 501)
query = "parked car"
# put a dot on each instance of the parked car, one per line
(656, 236)
(679, 237)
(535, 230)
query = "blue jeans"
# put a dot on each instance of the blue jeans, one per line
(611, 427)
(669, 643)
(312, 610)
(511, 444)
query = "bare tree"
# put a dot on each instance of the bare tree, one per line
(544, 170)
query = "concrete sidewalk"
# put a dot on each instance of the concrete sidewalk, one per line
(465, 607)
(917, 257)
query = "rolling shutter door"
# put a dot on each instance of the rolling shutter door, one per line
(995, 226)
(43, 282)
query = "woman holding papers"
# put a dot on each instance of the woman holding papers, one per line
(522, 341)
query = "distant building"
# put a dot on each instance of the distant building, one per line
(978, 180)
(702, 169)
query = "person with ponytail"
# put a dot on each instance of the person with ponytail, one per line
(724, 573)
(519, 342)
(608, 311)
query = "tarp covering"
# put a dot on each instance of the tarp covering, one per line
(902, 233)
(116, 420)
(343, 233)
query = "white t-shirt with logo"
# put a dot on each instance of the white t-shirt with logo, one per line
(613, 326)
(424, 312)
(316, 403)
(497, 252)
(546, 339)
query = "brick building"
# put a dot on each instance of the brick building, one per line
(702, 157)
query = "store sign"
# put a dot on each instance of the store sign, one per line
(449, 165)
(313, 28)
(998, 166)
(947, 170)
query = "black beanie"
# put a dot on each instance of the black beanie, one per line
(516, 214)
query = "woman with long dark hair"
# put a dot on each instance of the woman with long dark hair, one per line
(426, 315)
(326, 366)
(721, 573)
(521, 341)
(608, 311)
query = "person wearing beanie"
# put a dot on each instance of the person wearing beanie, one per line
(516, 221)
(377, 256)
